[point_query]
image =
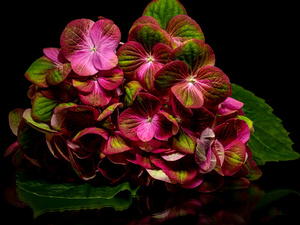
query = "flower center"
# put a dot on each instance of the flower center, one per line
(149, 119)
(94, 49)
(191, 79)
(150, 59)
(178, 119)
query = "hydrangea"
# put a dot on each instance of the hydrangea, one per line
(155, 106)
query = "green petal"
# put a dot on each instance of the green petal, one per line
(164, 10)
(195, 54)
(148, 35)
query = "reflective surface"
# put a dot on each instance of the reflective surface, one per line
(266, 201)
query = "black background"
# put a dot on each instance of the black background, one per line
(255, 44)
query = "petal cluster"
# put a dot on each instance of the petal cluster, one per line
(153, 109)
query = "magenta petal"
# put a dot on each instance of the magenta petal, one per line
(92, 93)
(55, 55)
(170, 75)
(91, 130)
(149, 146)
(131, 56)
(163, 127)
(116, 143)
(129, 122)
(195, 182)
(225, 133)
(235, 154)
(230, 105)
(214, 84)
(181, 171)
(243, 132)
(144, 161)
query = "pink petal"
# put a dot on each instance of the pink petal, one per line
(55, 55)
(104, 33)
(76, 37)
(147, 104)
(145, 74)
(146, 130)
(188, 94)
(105, 59)
(129, 121)
(82, 62)
(110, 79)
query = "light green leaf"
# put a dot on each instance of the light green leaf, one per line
(42, 107)
(43, 72)
(164, 10)
(42, 127)
(43, 196)
(270, 141)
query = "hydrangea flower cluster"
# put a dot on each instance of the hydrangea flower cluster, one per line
(155, 107)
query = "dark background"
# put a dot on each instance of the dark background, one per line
(255, 44)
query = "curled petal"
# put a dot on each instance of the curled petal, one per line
(182, 28)
(160, 175)
(230, 105)
(144, 20)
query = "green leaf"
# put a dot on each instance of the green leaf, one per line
(270, 141)
(14, 118)
(42, 127)
(42, 107)
(44, 196)
(43, 72)
(164, 10)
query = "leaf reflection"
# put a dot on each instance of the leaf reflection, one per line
(156, 206)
